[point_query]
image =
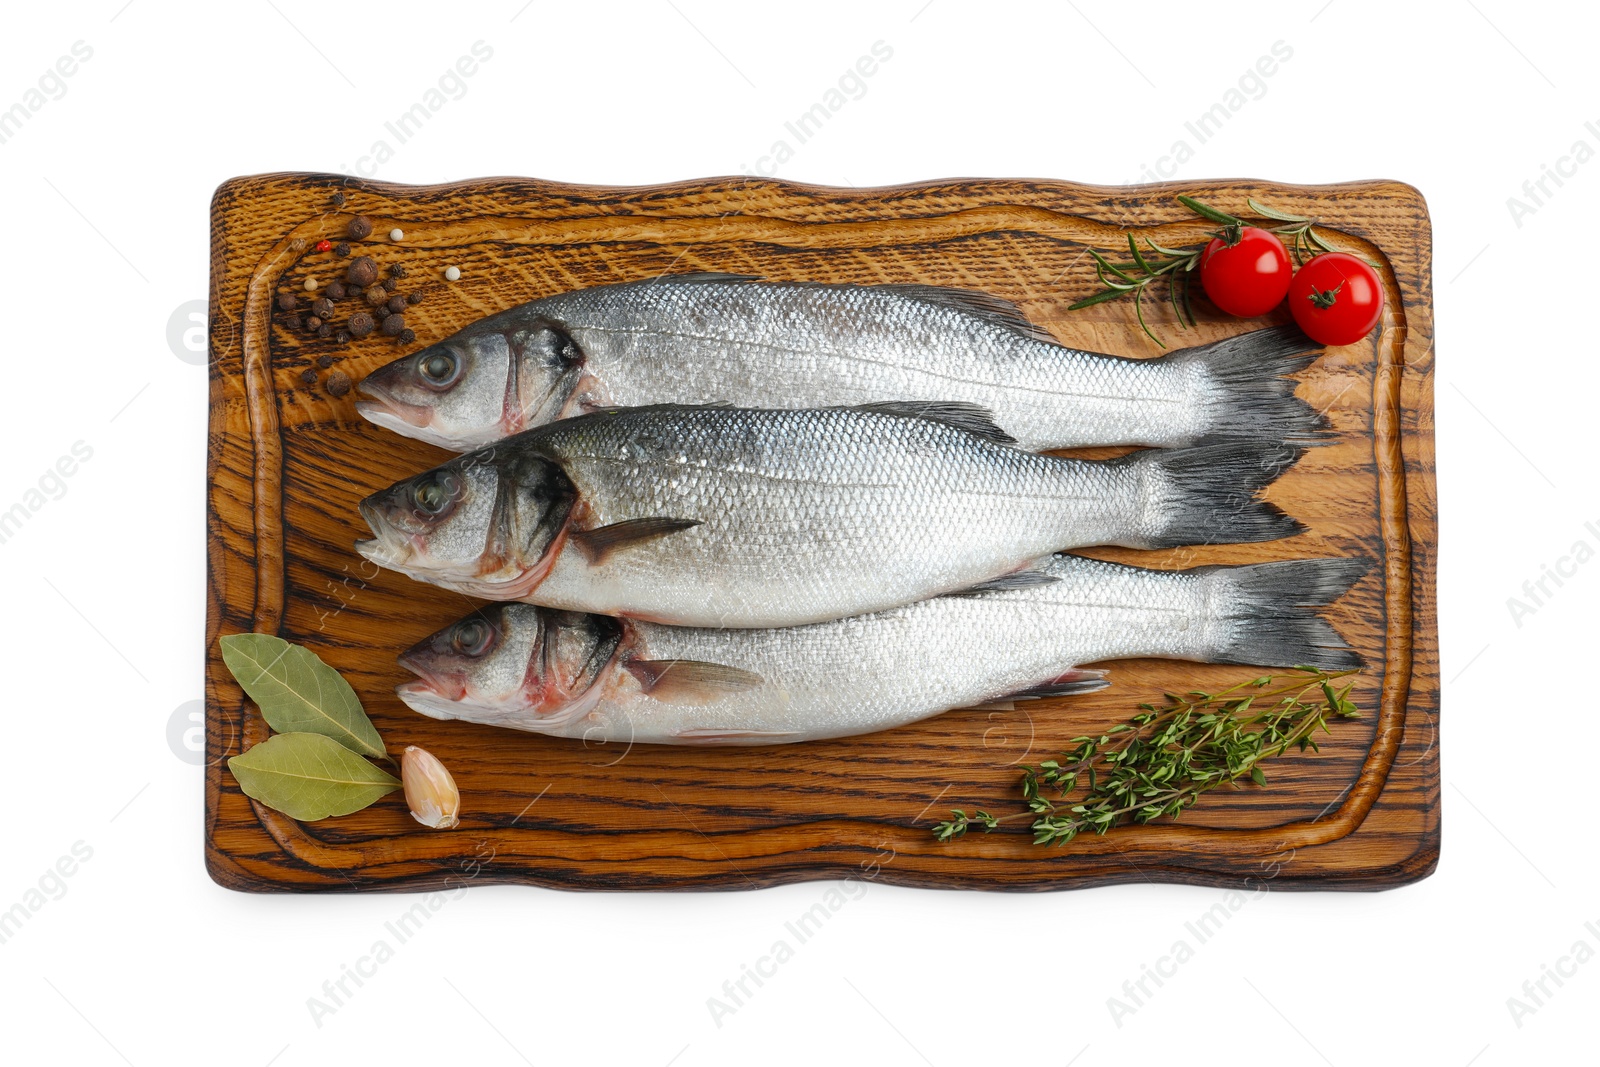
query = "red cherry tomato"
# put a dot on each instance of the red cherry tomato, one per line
(1336, 298)
(1248, 277)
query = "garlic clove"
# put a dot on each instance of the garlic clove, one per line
(431, 793)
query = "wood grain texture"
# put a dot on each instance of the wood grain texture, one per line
(287, 464)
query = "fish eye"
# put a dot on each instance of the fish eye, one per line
(472, 637)
(433, 493)
(440, 369)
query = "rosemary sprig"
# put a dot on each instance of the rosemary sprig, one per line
(1174, 264)
(1304, 240)
(1162, 760)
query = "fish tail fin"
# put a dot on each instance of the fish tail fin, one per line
(1207, 495)
(1266, 613)
(1251, 393)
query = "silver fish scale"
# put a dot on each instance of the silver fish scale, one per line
(872, 672)
(815, 514)
(765, 344)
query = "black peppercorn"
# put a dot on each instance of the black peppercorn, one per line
(392, 325)
(313, 322)
(360, 324)
(362, 272)
(406, 336)
(308, 376)
(414, 298)
(322, 308)
(294, 322)
(398, 271)
(324, 331)
(337, 199)
(324, 361)
(343, 337)
(397, 304)
(287, 302)
(342, 248)
(338, 383)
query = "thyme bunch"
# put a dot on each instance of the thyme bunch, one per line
(1162, 760)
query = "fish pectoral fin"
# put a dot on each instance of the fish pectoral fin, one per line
(1070, 683)
(1019, 580)
(711, 736)
(601, 542)
(688, 681)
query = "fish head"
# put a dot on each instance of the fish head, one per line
(489, 524)
(489, 381)
(513, 664)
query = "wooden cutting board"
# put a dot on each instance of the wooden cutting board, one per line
(288, 461)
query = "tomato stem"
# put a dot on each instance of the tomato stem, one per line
(1325, 298)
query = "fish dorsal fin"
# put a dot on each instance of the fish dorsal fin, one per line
(958, 413)
(644, 409)
(702, 277)
(994, 310)
(1070, 683)
(601, 542)
(688, 681)
(991, 309)
(1019, 580)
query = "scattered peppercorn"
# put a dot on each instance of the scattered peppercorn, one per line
(396, 304)
(398, 270)
(294, 322)
(359, 227)
(324, 361)
(377, 295)
(392, 325)
(335, 291)
(406, 336)
(324, 244)
(313, 322)
(414, 298)
(308, 376)
(338, 383)
(360, 324)
(287, 302)
(324, 331)
(337, 199)
(343, 337)
(397, 234)
(342, 248)
(390, 284)
(362, 272)
(311, 285)
(323, 307)
(452, 274)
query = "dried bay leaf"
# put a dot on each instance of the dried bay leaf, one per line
(298, 693)
(309, 776)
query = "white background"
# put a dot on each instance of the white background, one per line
(143, 960)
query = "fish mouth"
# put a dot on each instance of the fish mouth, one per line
(421, 697)
(381, 547)
(386, 409)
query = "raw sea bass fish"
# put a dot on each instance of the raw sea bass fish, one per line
(604, 679)
(698, 338)
(715, 516)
